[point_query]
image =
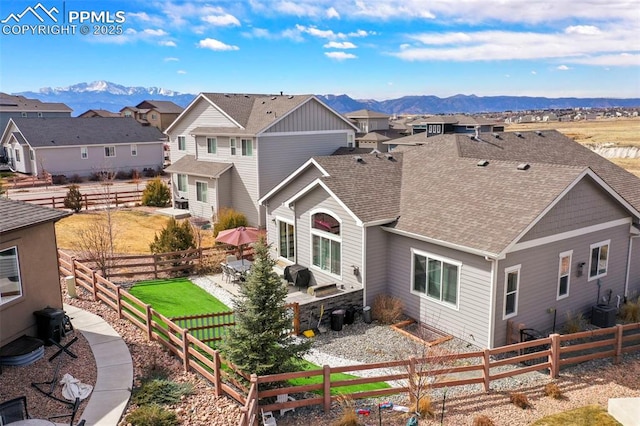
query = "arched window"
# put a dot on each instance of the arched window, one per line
(326, 242)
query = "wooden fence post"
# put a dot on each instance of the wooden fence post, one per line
(619, 335)
(86, 202)
(94, 283)
(485, 370)
(148, 312)
(155, 266)
(326, 381)
(554, 356)
(73, 266)
(116, 198)
(119, 302)
(216, 374)
(53, 202)
(185, 349)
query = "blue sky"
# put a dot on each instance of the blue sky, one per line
(378, 49)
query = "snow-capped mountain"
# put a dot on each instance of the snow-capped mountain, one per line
(106, 95)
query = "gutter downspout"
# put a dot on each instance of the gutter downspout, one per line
(492, 299)
(363, 269)
(626, 281)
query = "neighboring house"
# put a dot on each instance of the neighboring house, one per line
(446, 124)
(468, 232)
(159, 114)
(12, 106)
(29, 279)
(227, 150)
(92, 113)
(68, 146)
(374, 129)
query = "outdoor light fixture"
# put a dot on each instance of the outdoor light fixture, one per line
(580, 268)
(356, 270)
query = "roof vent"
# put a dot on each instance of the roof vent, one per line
(538, 132)
(358, 159)
(524, 166)
(389, 156)
(496, 135)
(273, 98)
(482, 163)
(290, 97)
(518, 134)
(269, 112)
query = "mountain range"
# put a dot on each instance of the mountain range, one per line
(113, 97)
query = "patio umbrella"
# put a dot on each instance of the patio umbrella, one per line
(239, 237)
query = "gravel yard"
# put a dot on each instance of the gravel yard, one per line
(589, 383)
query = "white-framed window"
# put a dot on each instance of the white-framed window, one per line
(247, 147)
(109, 151)
(154, 116)
(599, 259)
(10, 282)
(84, 152)
(212, 145)
(182, 143)
(134, 150)
(511, 287)
(40, 115)
(436, 277)
(127, 113)
(286, 240)
(201, 191)
(32, 155)
(564, 274)
(350, 140)
(17, 152)
(326, 243)
(182, 183)
(232, 145)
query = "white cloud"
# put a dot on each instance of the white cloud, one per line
(298, 8)
(142, 16)
(562, 68)
(213, 44)
(171, 59)
(332, 13)
(339, 45)
(340, 56)
(222, 20)
(361, 33)
(155, 33)
(168, 43)
(619, 60)
(583, 29)
(534, 72)
(181, 72)
(315, 32)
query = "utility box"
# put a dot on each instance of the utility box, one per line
(603, 316)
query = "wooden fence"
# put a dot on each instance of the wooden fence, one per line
(482, 367)
(115, 198)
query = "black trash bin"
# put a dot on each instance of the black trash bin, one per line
(49, 322)
(366, 314)
(349, 315)
(337, 319)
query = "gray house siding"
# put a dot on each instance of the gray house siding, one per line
(633, 289)
(470, 321)
(201, 209)
(310, 117)
(577, 209)
(351, 235)
(539, 274)
(281, 155)
(376, 263)
(224, 190)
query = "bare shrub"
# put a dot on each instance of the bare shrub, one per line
(424, 407)
(519, 400)
(386, 309)
(348, 415)
(575, 323)
(630, 311)
(482, 420)
(552, 390)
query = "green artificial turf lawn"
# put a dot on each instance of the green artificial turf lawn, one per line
(305, 366)
(177, 297)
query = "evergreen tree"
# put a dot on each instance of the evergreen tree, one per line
(73, 199)
(173, 237)
(260, 342)
(156, 194)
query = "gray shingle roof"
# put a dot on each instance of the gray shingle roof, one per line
(163, 107)
(256, 112)
(72, 131)
(189, 165)
(9, 103)
(365, 113)
(18, 214)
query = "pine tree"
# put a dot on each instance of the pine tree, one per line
(73, 199)
(260, 342)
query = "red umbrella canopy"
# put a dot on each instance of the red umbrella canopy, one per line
(238, 236)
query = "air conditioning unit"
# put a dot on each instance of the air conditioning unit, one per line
(603, 316)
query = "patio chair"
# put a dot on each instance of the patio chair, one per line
(231, 258)
(268, 419)
(284, 397)
(14, 410)
(226, 273)
(72, 414)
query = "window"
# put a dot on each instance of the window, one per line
(143, 116)
(17, 151)
(40, 115)
(287, 245)
(84, 152)
(10, 283)
(232, 144)
(350, 141)
(134, 150)
(326, 243)
(564, 274)
(23, 114)
(31, 155)
(212, 145)
(182, 143)
(127, 113)
(247, 147)
(109, 151)
(512, 283)
(436, 277)
(154, 116)
(182, 183)
(599, 259)
(201, 191)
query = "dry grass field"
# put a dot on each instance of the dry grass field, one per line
(618, 132)
(134, 229)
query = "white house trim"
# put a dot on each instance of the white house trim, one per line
(191, 106)
(320, 183)
(492, 301)
(507, 271)
(322, 234)
(292, 176)
(569, 234)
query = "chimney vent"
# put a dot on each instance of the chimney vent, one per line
(538, 132)
(523, 166)
(358, 159)
(389, 156)
(518, 134)
(482, 163)
(496, 135)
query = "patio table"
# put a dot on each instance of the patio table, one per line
(240, 265)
